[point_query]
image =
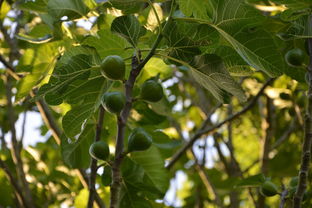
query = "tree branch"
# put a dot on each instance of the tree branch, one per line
(93, 165)
(203, 131)
(137, 66)
(307, 143)
(122, 120)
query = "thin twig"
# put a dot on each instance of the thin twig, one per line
(204, 131)
(93, 166)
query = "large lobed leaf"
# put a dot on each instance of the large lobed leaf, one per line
(73, 9)
(129, 28)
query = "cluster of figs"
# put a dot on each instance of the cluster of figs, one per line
(113, 67)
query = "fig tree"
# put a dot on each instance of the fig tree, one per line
(294, 57)
(99, 150)
(114, 102)
(151, 91)
(113, 67)
(268, 189)
(139, 140)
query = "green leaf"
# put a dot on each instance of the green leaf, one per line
(234, 64)
(131, 200)
(240, 25)
(197, 8)
(107, 44)
(299, 28)
(165, 144)
(153, 67)
(153, 165)
(76, 154)
(133, 177)
(89, 95)
(129, 28)
(39, 6)
(210, 72)
(74, 66)
(73, 9)
(251, 181)
(41, 60)
(128, 6)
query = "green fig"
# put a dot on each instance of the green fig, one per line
(151, 91)
(268, 189)
(99, 150)
(294, 57)
(114, 102)
(139, 140)
(113, 67)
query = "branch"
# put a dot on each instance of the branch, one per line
(204, 130)
(306, 148)
(93, 166)
(137, 66)
(122, 120)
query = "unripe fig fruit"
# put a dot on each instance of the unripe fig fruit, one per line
(268, 189)
(106, 177)
(99, 150)
(152, 91)
(113, 67)
(139, 140)
(114, 102)
(294, 57)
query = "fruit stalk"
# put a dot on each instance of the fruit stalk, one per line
(307, 143)
(93, 165)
